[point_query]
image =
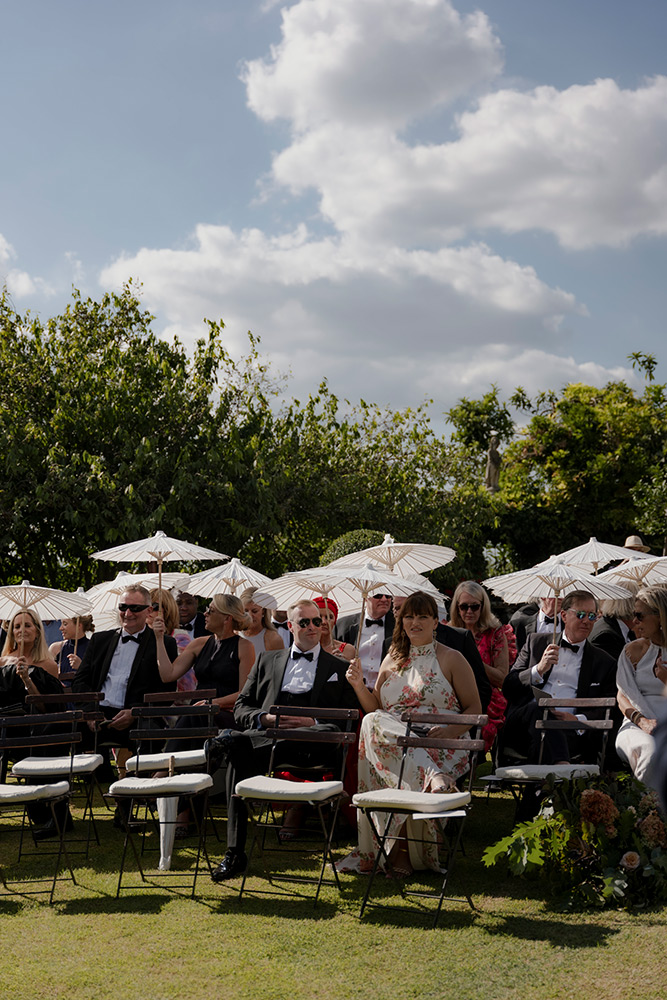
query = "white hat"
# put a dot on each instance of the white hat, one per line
(635, 542)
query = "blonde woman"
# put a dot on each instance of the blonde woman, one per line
(262, 633)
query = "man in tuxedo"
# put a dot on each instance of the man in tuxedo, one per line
(530, 619)
(122, 664)
(377, 626)
(612, 631)
(569, 668)
(189, 618)
(303, 675)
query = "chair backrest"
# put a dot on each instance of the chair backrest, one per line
(170, 705)
(602, 725)
(419, 721)
(344, 737)
(52, 729)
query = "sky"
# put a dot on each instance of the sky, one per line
(410, 198)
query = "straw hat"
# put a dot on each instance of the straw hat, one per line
(635, 542)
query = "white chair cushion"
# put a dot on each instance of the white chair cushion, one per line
(261, 787)
(538, 772)
(83, 763)
(31, 793)
(160, 761)
(177, 784)
(403, 798)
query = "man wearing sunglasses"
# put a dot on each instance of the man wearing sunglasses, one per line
(303, 675)
(569, 668)
(122, 664)
(377, 625)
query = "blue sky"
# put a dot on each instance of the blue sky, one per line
(409, 197)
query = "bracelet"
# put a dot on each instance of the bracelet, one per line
(636, 717)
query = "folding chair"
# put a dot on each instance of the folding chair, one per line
(424, 806)
(163, 793)
(63, 731)
(82, 766)
(266, 790)
(522, 775)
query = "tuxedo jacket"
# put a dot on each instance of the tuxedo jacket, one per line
(347, 628)
(144, 675)
(265, 682)
(597, 675)
(524, 623)
(607, 636)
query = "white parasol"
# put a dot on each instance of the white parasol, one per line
(158, 547)
(50, 604)
(593, 554)
(403, 558)
(640, 572)
(229, 578)
(552, 579)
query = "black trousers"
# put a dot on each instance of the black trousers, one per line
(248, 753)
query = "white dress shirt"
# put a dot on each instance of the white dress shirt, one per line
(114, 687)
(300, 673)
(542, 625)
(370, 652)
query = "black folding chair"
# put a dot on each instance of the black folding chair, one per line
(263, 791)
(450, 808)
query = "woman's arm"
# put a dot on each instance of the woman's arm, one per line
(55, 647)
(369, 700)
(170, 672)
(246, 663)
(634, 715)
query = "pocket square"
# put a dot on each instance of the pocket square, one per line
(334, 677)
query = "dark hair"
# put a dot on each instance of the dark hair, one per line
(416, 604)
(575, 596)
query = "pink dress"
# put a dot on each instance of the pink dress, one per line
(489, 644)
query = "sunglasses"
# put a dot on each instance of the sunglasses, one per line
(377, 597)
(469, 607)
(641, 615)
(591, 615)
(134, 608)
(305, 622)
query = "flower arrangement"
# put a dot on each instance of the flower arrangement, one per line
(601, 842)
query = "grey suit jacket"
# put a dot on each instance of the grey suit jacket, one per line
(262, 689)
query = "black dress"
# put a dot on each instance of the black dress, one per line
(217, 666)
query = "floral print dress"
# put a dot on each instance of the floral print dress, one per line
(419, 683)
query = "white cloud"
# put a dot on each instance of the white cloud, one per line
(19, 283)
(6, 250)
(368, 62)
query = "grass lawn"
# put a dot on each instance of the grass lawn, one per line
(153, 943)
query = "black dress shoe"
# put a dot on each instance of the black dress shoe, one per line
(50, 831)
(234, 863)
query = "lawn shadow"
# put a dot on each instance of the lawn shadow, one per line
(127, 903)
(287, 905)
(560, 933)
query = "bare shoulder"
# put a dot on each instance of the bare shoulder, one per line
(450, 660)
(272, 640)
(636, 649)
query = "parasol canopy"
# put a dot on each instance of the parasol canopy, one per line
(402, 558)
(229, 578)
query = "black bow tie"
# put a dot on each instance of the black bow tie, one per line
(631, 635)
(374, 621)
(281, 625)
(548, 620)
(129, 638)
(568, 645)
(189, 627)
(296, 655)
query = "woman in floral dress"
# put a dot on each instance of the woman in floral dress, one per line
(417, 673)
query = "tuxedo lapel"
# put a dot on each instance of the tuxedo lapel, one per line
(586, 671)
(277, 675)
(326, 665)
(144, 644)
(108, 655)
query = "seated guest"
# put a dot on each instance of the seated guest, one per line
(172, 624)
(25, 644)
(417, 673)
(471, 609)
(189, 618)
(376, 626)
(530, 619)
(68, 653)
(122, 665)
(569, 668)
(463, 641)
(220, 660)
(613, 630)
(641, 677)
(25, 664)
(304, 675)
(329, 615)
(261, 632)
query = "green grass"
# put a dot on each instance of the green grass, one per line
(153, 944)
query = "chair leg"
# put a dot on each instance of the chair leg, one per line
(381, 841)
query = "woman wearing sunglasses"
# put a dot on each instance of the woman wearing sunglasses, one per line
(641, 677)
(496, 643)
